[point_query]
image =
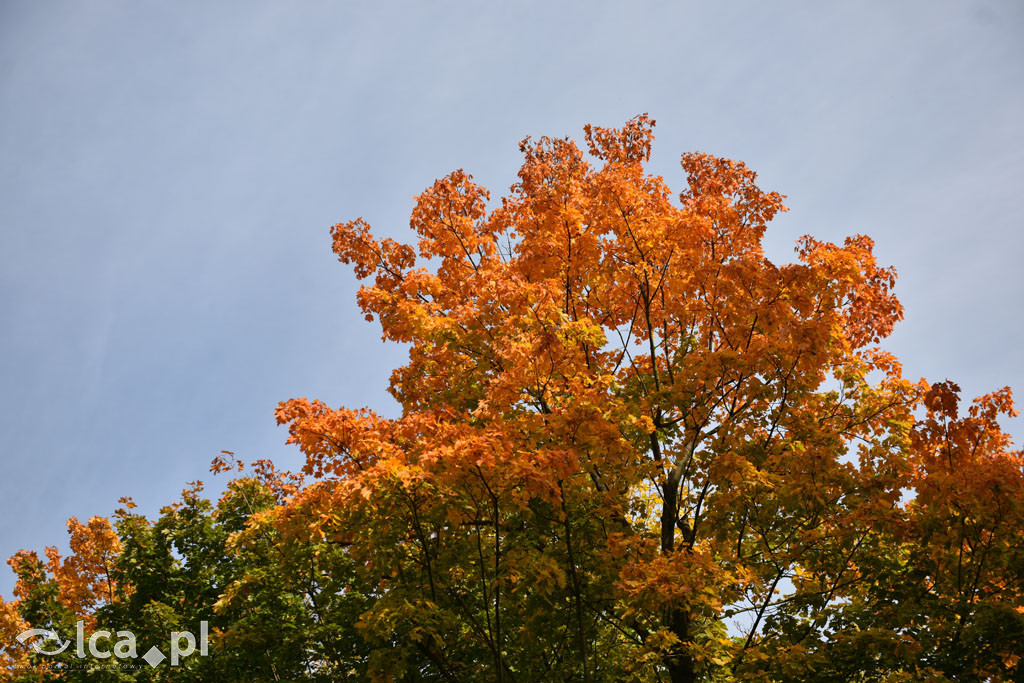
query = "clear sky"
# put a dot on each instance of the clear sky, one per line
(169, 172)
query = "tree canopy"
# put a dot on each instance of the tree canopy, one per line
(630, 448)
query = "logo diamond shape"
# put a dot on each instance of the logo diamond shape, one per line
(153, 657)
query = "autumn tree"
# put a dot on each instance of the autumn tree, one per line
(630, 448)
(627, 436)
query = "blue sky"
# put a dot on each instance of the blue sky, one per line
(169, 172)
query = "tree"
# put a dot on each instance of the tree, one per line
(631, 448)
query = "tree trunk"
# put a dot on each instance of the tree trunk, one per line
(680, 670)
(680, 663)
